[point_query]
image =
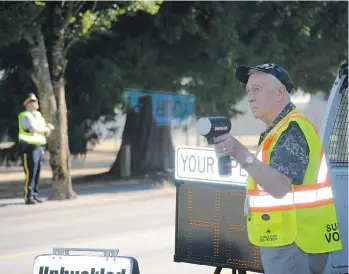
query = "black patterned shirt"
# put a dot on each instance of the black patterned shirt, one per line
(290, 155)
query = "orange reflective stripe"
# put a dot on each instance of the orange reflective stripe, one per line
(260, 191)
(263, 152)
(269, 141)
(323, 180)
(306, 119)
(297, 199)
(317, 194)
(310, 187)
(303, 196)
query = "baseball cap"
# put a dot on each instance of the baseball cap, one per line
(30, 97)
(242, 73)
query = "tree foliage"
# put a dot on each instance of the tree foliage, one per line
(50, 29)
(194, 46)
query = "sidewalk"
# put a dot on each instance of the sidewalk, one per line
(98, 161)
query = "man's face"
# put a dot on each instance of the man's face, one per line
(262, 95)
(33, 105)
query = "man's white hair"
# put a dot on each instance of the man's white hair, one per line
(272, 80)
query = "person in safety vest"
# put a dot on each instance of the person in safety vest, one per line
(289, 205)
(33, 131)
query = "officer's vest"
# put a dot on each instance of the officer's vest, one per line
(36, 120)
(306, 215)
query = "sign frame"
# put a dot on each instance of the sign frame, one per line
(221, 180)
(129, 265)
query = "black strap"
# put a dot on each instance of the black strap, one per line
(218, 270)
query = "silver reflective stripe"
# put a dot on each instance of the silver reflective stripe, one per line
(34, 139)
(298, 197)
(323, 170)
(247, 205)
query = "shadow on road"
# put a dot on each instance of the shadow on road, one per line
(92, 189)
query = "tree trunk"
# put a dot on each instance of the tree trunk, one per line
(62, 185)
(59, 154)
(151, 145)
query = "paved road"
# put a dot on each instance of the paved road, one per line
(139, 223)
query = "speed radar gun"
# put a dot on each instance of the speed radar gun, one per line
(211, 127)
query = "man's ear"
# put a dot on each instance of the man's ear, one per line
(282, 93)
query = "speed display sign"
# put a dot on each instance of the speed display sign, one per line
(210, 222)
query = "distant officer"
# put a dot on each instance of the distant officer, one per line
(33, 131)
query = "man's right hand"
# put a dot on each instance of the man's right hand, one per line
(50, 126)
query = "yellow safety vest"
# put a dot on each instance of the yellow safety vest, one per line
(307, 214)
(36, 120)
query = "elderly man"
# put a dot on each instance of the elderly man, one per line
(33, 131)
(289, 204)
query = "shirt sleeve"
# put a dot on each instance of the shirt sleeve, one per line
(290, 155)
(26, 124)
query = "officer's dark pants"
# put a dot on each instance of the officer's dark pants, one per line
(32, 156)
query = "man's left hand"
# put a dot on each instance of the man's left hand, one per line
(227, 145)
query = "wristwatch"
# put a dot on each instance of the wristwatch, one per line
(248, 160)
